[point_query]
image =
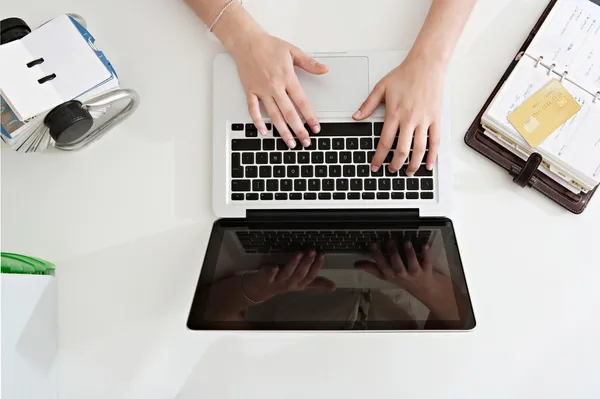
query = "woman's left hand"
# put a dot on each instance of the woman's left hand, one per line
(413, 106)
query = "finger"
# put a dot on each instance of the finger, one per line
(277, 119)
(370, 104)
(314, 270)
(407, 131)
(254, 110)
(427, 265)
(307, 63)
(388, 135)
(434, 144)
(322, 284)
(299, 98)
(381, 261)
(418, 150)
(411, 258)
(395, 259)
(303, 267)
(289, 268)
(291, 117)
(370, 268)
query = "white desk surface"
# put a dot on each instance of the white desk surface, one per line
(127, 221)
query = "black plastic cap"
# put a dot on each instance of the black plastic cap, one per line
(68, 122)
(12, 29)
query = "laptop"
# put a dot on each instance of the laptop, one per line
(321, 213)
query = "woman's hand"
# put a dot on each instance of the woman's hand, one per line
(298, 274)
(266, 68)
(413, 105)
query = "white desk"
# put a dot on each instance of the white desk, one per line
(127, 222)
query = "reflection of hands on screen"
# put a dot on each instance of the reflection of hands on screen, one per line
(299, 274)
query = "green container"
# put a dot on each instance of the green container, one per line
(20, 264)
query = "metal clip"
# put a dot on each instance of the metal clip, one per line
(551, 69)
(539, 61)
(597, 97)
(563, 76)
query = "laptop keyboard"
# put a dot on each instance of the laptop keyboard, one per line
(328, 241)
(335, 167)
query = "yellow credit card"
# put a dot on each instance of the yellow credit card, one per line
(544, 112)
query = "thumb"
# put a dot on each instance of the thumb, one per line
(321, 283)
(370, 104)
(307, 63)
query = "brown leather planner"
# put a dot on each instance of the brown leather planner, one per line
(525, 174)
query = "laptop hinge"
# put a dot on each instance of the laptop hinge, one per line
(333, 215)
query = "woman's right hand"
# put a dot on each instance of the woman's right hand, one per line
(266, 67)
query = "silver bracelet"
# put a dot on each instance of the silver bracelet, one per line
(210, 29)
(244, 292)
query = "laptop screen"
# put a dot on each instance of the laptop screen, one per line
(398, 276)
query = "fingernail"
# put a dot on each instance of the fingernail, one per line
(263, 131)
(408, 244)
(392, 170)
(306, 143)
(410, 174)
(429, 166)
(374, 168)
(316, 129)
(291, 143)
(356, 114)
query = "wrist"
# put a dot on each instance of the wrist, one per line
(235, 27)
(428, 59)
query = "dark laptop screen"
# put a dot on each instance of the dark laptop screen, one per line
(394, 277)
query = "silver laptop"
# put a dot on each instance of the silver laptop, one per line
(252, 172)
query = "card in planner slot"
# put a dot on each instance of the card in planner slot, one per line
(544, 112)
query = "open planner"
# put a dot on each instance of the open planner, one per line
(565, 46)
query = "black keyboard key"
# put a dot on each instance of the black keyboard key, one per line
(383, 196)
(295, 196)
(281, 197)
(356, 184)
(303, 157)
(268, 144)
(317, 157)
(236, 160)
(289, 157)
(346, 129)
(264, 171)
(269, 126)
(262, 158)
(370, 184)
(273, 185)
(342, 185)
(298, 146)
(335, 171)
(399, 185)
(366, 144)
(279, 171)
(349, 170)
(300, 185)
(306, 171)
(339, 196)
(370, 156)
(328, 185)
(293, 171)
(248, 158)
(237, 197)
(251, 197)
(312, 146)
(237, 127)
(251, 133)
(378, 127)
(427, 184)
(331, 157)
(275, 158)
(276, 132)
(352, 144)
(310, 196)
(266, 197)
(412, 196)
(337, 144)
(246, 145)
(390, 156)
(281, 145)
(397, 196)
(363, 170)
(385, 184)
(368, 196)
(422, 171)
(427, 196)
(314, 185)
(390, 174)
(345, 157)
(353, 196)
(286, 185)
(360, 157)
(412, 184)
(251, 171)
(321, 171)
(237, 172)
(403, 171)
(324, 144)
(258, 185)
(251, 127)
(379, 172)
(324, 196)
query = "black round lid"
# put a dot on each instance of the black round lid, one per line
(13, 29)
(68, 122)
(10, 23)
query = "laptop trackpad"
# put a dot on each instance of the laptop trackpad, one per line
(343, 89)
